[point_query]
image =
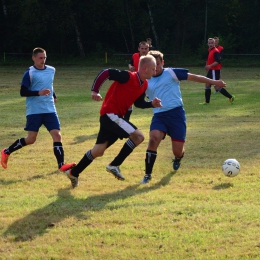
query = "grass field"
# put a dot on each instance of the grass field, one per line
(194, 213)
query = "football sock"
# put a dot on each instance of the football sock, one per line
(225, 93)
(59, 153)
(128, 147)
(207, 95)
(18, 144)
(86, 160)
(149, 161)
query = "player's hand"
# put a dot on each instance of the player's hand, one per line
(207, 67)
(44, 92)
(156, 102)
(132, 68)
(96, 96)
(220, 84)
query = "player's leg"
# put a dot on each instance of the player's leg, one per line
(208, 88)
(33, 124)
(177, 132)
(156, 136)
(122, 129)
(178, 151)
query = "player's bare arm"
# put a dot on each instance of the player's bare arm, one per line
(202, 79)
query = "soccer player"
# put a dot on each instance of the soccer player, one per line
(151, 47)
(128, 88)
(221, 51)
(37, 87)
(213, 66)
(143, 49)
(169, 119)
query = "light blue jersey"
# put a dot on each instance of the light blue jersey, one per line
(36, 80)
(167, 88)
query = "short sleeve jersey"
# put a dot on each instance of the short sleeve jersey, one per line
(167, 88)
(36, 80)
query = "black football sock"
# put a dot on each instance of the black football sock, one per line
(128, 147)
(59, 153)
(86, 160)
(18, 144)
(207, 95)
(225, 93)
(149, 161)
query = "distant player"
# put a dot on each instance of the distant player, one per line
(213, 66)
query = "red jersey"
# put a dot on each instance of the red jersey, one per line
(220, 49)
(212, 57)
(124, 91)
(135, 59)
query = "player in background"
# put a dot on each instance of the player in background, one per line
(170, 119)
(213, 66)
(37, 87)
(143, 49)
(128, 88)
(151, 47)
(221, 51)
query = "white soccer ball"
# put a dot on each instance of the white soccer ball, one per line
(231, 167)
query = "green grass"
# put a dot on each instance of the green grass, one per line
(196, 213)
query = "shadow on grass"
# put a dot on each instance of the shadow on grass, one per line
(38, 222)
(223, 186)
(83, 138)
(39, 176)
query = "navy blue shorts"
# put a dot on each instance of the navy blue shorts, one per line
(172, 123)
(49, 120)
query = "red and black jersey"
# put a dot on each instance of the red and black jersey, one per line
(213, 55)
(221, 50)
(124, 91)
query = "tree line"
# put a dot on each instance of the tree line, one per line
(79, 28)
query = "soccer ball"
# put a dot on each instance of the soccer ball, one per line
(231, 167)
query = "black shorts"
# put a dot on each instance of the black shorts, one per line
(113, 127)
(213, 74)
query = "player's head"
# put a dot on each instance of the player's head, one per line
(143, 48)
(149, 41)
(147, 67)
(211, 43)
(159, 61)
(39, 57)
(216, 41)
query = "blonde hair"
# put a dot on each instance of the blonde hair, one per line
(156, 54)
(144, 60)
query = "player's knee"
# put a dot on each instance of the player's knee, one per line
(137, 137)
(29, 141)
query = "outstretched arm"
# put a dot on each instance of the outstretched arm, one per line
(202, 79)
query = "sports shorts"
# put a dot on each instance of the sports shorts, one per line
(172, 123)
(35, 121)
(113, 127)
(213, 74)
